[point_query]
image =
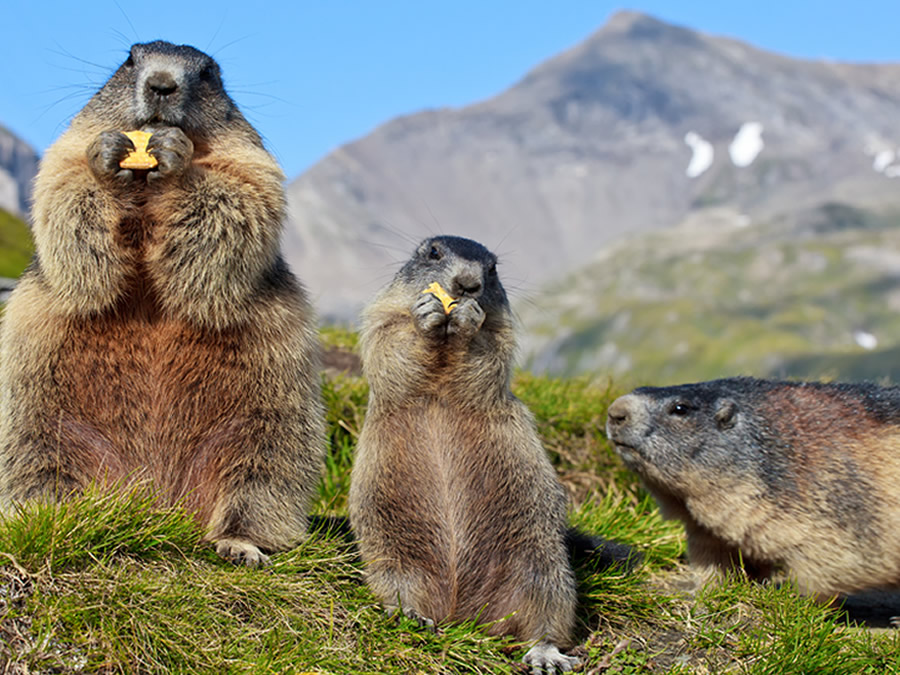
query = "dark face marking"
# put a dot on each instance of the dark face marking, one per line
(462, 266)
(166, 85)
(670, 425)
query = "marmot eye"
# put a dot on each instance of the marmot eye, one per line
(680, 409)
(493, 270)
(434, 254)
(129, 61)
(206, 73)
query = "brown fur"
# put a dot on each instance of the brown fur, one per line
(458, 511)
(158, 333)
(796, 477)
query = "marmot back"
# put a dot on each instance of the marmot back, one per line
(458, 511)
(799, 477)
(158, 333)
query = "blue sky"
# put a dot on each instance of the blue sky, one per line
(312, 75)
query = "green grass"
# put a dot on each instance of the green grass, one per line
(16, 248)
(115, 583)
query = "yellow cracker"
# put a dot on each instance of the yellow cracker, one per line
(447, 300)
(139, 158)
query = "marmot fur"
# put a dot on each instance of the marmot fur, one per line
(158, 334)
(786, 476)
(457, 509)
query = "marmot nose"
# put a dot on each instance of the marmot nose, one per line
(621, 410)
(162, 83)
(472, 288)
(468, 283)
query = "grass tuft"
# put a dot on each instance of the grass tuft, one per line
(95, 527)
(345, 398)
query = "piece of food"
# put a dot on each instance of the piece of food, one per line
(139, 158)
(447, 300)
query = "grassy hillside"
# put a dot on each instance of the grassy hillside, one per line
(116, 584)
(16, 248)
(816, 295)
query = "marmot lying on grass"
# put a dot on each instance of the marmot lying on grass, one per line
(158, 333)
(797, 477)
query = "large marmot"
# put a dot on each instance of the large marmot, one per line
(458, 511)
(794, 477)
(158, 334)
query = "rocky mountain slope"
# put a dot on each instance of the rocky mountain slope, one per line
(18, 166)
(815, 294)
(633, 130)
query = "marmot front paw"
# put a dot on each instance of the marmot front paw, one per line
(428, 313)
(466, 318)
(173, 150)
(105, 153)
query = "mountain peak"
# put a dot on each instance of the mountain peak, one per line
(636, 25)
(633, 129)
(625, 20)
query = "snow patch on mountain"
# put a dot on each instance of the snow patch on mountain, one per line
(747, 144)
(703, 154)
(865, 339)
(883, 159)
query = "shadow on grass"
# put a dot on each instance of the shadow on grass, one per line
(872, 609)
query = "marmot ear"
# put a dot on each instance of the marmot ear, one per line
(726, 414)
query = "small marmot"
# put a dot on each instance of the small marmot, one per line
(798, 478)
(158, 335)
(458, 511)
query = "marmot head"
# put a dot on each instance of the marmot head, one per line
(692, 436)
(166, 85)
(463, 267)
(680, 436)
